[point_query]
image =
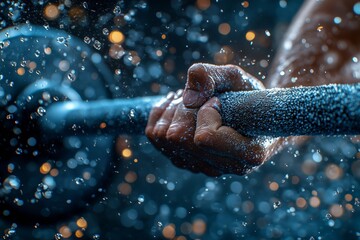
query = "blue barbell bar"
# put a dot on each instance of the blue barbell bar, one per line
(321, 110)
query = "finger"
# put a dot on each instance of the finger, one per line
(182, 127)
(156, 113)
(212, 136)
(199, 86)
(204, 80)
(163, 123)
(181, 134)
(234, 78)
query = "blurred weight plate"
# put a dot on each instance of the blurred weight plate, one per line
(40, 178)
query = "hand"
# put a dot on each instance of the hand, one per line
(186, 126)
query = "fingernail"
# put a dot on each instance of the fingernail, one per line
(170, 95)
(178, 93)
(191, 98)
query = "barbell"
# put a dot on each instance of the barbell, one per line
(60, 117)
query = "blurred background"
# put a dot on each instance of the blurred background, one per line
(306, 192)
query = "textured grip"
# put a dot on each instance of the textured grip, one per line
(322, 110)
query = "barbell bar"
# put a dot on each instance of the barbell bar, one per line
(320, 110)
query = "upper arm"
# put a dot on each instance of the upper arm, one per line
(322, 46)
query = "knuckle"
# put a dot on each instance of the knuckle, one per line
(196, 67)
(160, 129)
(173, 134)
(196, 72)
(178, 133)
(203, 137)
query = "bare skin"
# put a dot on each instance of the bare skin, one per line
(187, 127)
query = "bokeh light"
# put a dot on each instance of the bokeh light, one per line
(51, 11)
(116, 36)
(45, 168)
(250, 36)
(224, 28)
(169, 231)
(203, 4)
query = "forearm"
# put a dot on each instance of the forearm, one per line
(322, 46)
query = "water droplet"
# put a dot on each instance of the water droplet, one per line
(58, 236)
(105, 31)
(37, 53)
(71, 77)
(337, 20)
(85, 5)
(41, 111)
(294, 79)
(141, 198)
(47, 194)
(97, 45)
(60, 40)
(18, 202)
(10, 233)
(117, 71)
(267, 33)
(12, 182)
(132, 113)
(18, 151)
(87, 40)
(276, 204)
(117, 10)
(79, 181)
(46, 26)
(328, 216)
(96, 236)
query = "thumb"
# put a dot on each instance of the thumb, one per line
(204, 80)
(200, 86)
